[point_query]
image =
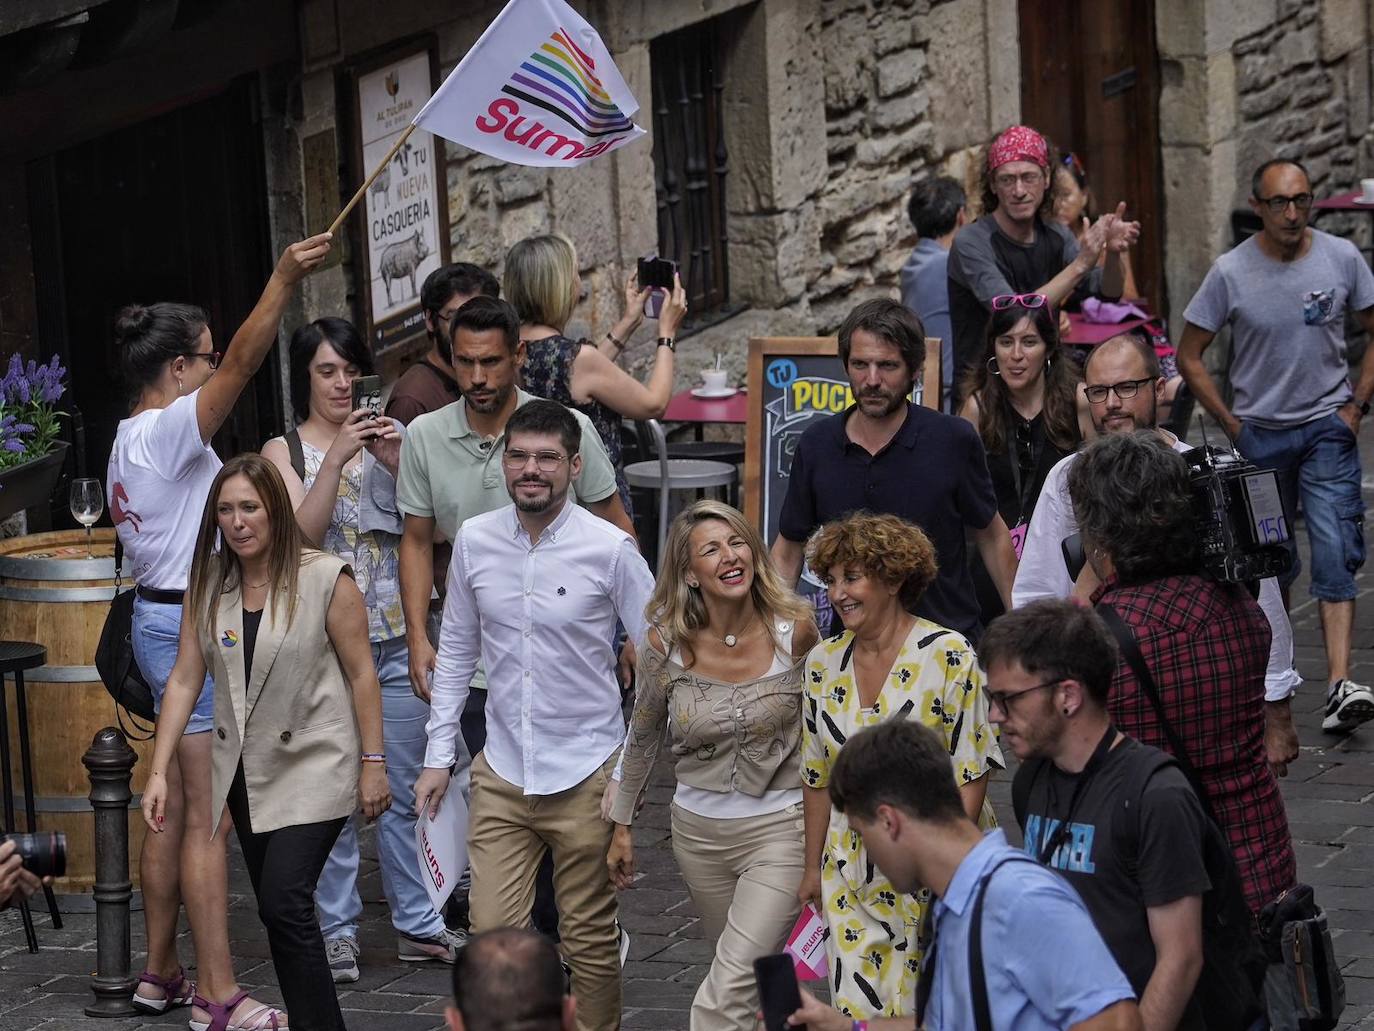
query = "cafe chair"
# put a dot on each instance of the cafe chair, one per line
(666, 474)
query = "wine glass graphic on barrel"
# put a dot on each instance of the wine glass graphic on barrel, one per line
(87, 503)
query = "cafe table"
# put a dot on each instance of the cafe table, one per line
(1083, 333)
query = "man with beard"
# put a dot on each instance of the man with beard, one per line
(1123, 384)
(1017, 247)
(535, 591)
(885, 454)
(1285, 293)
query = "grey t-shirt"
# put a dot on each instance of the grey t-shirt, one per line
(1287, 322)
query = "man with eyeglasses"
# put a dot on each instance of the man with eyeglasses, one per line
(1285, 292)
(1018, 247)
(535, 592)
(1123, 386)
(1113, 816)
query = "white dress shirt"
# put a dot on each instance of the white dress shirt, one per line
(542, 618)
(1043, 574)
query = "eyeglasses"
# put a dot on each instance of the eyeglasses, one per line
(1007, 180)
(1278, 204)
(545, 461)
(1125, 390)
(1004, 699)
(1004, 301)
(213, 357)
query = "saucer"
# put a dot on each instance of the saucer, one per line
(714, 395)
(1362, 202)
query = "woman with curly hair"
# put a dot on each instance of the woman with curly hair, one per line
(1023, 400)
(723, 668)
(888, 664)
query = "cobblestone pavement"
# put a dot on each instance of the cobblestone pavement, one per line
(1328, 794)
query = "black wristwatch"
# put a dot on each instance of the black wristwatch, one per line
(671, 344)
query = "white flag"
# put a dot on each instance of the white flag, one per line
(539, 88)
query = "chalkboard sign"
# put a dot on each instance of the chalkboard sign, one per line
(794, 381)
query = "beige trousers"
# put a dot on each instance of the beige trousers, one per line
(508, 832)
(743, 876)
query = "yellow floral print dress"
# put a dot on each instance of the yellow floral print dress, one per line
(874, 947)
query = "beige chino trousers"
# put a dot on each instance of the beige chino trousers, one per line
(743, 875)
(507, 834)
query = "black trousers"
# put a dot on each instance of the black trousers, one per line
(284, 866)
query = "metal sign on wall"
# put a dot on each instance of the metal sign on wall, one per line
(405, 231)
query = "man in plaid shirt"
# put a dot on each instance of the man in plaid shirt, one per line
(1205, 643)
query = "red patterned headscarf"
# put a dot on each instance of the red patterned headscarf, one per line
(1019, 143)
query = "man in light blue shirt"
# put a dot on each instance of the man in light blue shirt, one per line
(1044, 964)
(937, 212)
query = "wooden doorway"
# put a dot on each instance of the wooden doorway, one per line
(1090, 81)
(170, 209)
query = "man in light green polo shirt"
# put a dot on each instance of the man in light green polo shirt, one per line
(451, 462)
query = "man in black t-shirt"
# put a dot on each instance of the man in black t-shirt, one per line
(1129, 840)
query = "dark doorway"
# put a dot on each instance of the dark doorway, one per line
(170, 209)
(1090, 81)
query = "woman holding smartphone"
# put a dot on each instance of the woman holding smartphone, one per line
(542, 283)
(339, 466)
(297, 746)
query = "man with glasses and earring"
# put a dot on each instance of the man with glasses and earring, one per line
(1285, 292)
(1018, 247)
(1123, 386)
(534, 592)
(1049, 671)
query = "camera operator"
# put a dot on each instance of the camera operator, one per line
(16, 883)
(1205, 644)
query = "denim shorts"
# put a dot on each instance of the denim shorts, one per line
(156, 633)
(1319, 461)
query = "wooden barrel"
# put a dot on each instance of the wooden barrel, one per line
(52, 594)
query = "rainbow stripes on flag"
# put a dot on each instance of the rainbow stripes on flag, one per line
(561, 78)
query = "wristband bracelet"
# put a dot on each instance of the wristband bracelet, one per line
(374, 757)
(619, 345)
(859, 1025)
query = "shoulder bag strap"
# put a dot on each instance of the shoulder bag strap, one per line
(297, 453)
(978, 980)
(1130, 649)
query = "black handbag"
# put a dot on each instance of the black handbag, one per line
(114, 658)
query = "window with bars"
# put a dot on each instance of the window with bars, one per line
(691, 163)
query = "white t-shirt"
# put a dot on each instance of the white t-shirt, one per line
(159, 477)
(1042, 573)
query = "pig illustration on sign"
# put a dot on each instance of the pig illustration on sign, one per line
(401, 260)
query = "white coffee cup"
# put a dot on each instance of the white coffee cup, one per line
(1367, 190)
(714, 380)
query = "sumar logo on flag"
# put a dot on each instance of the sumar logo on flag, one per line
(539, 88)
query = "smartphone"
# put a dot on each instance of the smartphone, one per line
(659, 274)
(367, 393)
(779, 995)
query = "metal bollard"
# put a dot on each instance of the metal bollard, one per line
(110, 761)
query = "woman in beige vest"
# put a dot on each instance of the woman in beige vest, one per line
(723, 668)
(298, 721)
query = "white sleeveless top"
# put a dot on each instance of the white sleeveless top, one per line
(735, 805)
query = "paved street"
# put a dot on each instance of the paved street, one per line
(1327, 792)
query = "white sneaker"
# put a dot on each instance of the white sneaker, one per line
(1347, 706)
(342, 954)
(444, 948)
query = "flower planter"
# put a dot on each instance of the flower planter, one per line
(31, 484)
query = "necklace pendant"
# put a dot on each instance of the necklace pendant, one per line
(731, 640)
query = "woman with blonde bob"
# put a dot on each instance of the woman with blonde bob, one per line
(541, 281)
(298, 716)
(723, 668)
(887, 665)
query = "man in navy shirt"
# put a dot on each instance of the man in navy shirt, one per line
(885, 454)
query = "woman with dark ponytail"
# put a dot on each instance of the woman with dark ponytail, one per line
(161, 468)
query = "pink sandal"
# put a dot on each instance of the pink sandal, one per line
(177, 992)
(260, 1018)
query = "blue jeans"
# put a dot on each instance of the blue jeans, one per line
(1320, 461)
(403, 733)
(156, 633)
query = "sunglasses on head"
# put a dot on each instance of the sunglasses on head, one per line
(1004, 301)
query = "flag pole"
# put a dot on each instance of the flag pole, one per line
(334, 227)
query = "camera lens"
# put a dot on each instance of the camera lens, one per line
(43, 854)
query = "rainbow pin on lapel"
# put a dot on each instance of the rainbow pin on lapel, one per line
(229, 639)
